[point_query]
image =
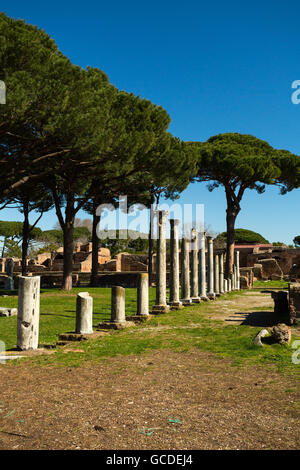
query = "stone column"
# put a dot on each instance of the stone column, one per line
(225, 286)
(28, 312)
(84, 313)
(216, 275)
(161, 266)
(118, 304)
(174, 302)
(237, 264)
(210, 252)
(229, 284)
(221, 265)
(232, 279)
(194, 271)
(9, 268)
(185, 274)
(202, 268)
(143, 294)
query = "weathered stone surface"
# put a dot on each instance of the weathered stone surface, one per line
(84, 313)
(118, 304)
(270, 267)
(28, 312)
(246, 278)
(8, 312)
(261, 334)
(143, 294)
(294, 302)
(281, 333)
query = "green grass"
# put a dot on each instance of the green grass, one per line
(180, 330)
(270, 284)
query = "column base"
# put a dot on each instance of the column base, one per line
(196, 300)
(204, 298)
(211, 296)
(159, 309)
(175, 305)
(186, 302)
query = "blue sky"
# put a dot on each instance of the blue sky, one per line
(214, 66)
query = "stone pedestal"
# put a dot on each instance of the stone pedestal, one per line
(185, 272)
(174, 301)
(161, 266)
(210, 249)
(194, 271)
(143, 294)
(84, 313)
(28, 312)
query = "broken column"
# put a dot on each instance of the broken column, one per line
(225, 286)
(9, 268)
(221, 267)
(216, 275)
(194, 271)
(118, 304)
(174, 301)
(202, 267)
(185, 272)
(28, 312)
(161, 266)
(210, 253)
(84, 313)
(143, 294)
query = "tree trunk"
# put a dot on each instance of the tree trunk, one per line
(95, 247)
(68, 244)
(3, 248)
(231, 215)
(25, 237)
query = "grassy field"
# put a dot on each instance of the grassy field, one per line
(271, 284)
(179, 331)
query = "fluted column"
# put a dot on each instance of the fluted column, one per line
(194, 271)
(237, 264)
(174, 301)
(161, 266)
(221, 266)
(185, 274)
(216, 275)
(210, 254)
(202, 267)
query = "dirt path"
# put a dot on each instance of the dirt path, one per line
(111, 405)
(128, 402)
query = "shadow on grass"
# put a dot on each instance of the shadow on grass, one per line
(261, 318)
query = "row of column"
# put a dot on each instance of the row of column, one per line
(196, 283)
